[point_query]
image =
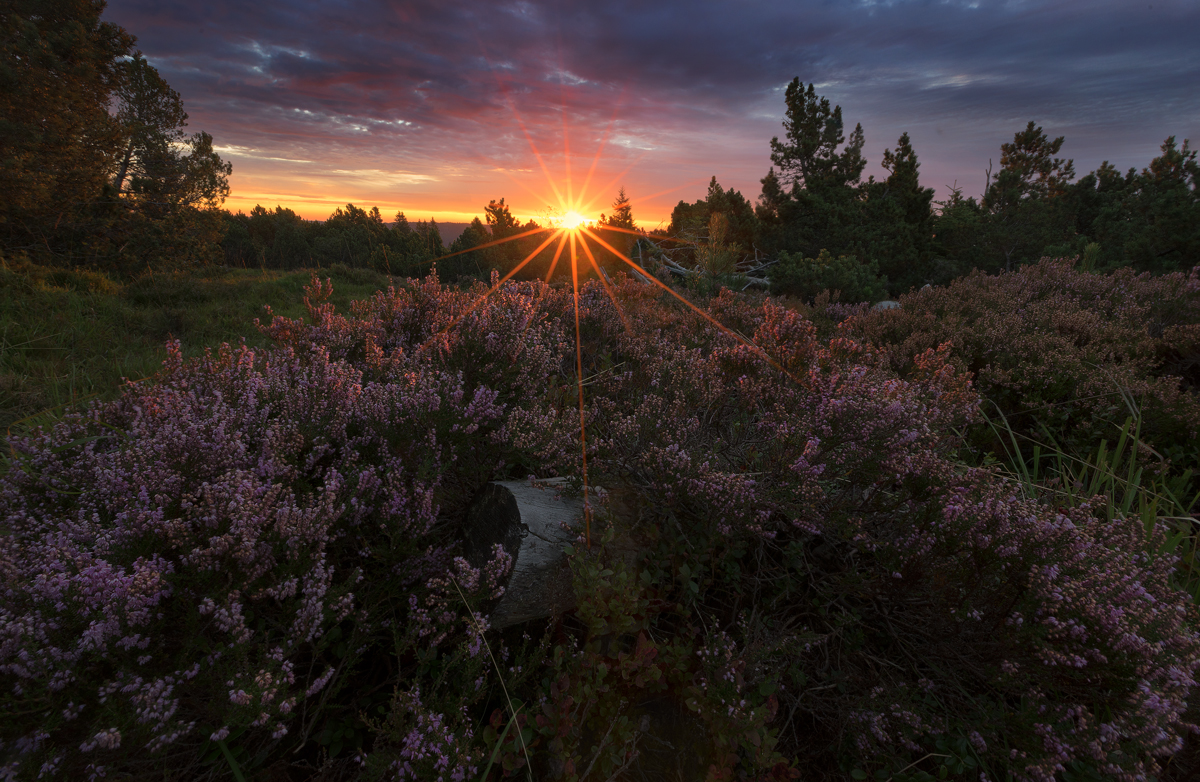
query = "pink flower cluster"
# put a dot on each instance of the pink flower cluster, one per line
(798, 439)
(174, 561)
(213, 554)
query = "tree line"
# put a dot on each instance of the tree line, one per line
(99, 172)
(822, 226)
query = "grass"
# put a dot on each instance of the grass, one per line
(70, 336)
(1118, 475)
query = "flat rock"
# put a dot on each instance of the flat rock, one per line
(534, 524)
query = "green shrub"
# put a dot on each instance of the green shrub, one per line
(806, 277)
(1051, 346)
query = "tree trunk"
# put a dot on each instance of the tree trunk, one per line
(124, 166)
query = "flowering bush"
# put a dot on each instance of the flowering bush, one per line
(897, 596)
(1053, 345)
(261, 546)
(216, 552)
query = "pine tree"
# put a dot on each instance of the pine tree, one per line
(808, 154)
(1150, 220)
(899, 220)
(500, 219)
(622, 216)
(1024, 202)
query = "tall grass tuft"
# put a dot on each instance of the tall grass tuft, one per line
(1053, 475)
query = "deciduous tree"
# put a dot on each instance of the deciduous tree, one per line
(59, 67)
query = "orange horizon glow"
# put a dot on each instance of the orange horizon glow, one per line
(447, 195)
(314, 208)
(571, 228)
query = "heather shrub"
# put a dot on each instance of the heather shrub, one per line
(811, 509)
(791, 569)
(220, 553)
(1054, 347)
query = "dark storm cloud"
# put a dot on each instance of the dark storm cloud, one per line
(418, 85)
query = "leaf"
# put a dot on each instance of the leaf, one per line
(858, 773)
(233, 764)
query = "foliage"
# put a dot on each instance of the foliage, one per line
(820, 575)
(161, 179)
(151, 116)
(807, 277)
(351, 236)
(1024, 205)
(59, 69)
(870, 520)
(68, 160)
(902, 208)
(1151, 220)
(622, 212)
(1057, 349)
(467, 264)
(69, 335)
(243, 577)
(818, 201)
(693, 223)
(808, 156)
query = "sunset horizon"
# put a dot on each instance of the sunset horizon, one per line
(435, 111)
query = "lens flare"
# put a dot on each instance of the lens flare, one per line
(575, 232)
(573, 221)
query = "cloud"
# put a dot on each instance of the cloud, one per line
(459, 92)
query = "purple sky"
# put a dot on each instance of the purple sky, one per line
(415, 106)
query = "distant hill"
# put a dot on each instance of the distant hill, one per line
(449, 231)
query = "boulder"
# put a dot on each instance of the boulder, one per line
(534, 523)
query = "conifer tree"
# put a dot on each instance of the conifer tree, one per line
(1024, 204)
(1149, 220)
(807, 155)
(899, 219)
(622, 216)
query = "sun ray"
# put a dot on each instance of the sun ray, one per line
(608, 187)
(557, 254)
(739, 337)
(492, 243)
(573, 229)
(640, 199)
(587, 511)
(644, 235)
(600, 149)
(570, 202)
(521, 123)
(607, 288)
(531, 192)
(475, 305)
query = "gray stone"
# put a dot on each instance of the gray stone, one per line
(887, 305)
(528, 521)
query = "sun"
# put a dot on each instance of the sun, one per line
(576, 234)
(572, 221)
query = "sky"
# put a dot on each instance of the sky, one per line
(436, 108)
